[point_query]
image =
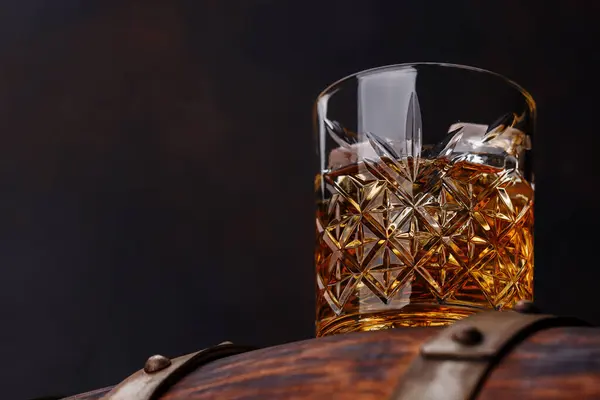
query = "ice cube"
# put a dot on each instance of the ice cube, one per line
(496, 145)
(446, 147)
(372, 149)
(510, 141)
(497, 127)
(342, 156)
(390, 139)
(349, 151)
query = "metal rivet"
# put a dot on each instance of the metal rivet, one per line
(469, 336)
(156, 363)
(526, 307)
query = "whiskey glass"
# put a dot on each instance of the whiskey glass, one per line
(424, 197)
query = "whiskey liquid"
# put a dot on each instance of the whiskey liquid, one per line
(420, 243)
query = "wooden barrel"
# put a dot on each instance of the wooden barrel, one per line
(550, 362)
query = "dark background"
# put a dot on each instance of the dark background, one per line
(156, 165)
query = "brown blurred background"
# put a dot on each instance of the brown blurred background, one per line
(157, 160)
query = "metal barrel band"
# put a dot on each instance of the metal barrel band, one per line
(161, 373)
(455, 363)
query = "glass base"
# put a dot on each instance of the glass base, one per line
(414, 315)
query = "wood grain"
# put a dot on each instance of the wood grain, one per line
(364, 366)
(559, 363)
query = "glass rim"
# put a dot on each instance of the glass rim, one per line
(330, 90)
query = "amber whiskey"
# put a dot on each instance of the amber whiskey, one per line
(420, 243)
